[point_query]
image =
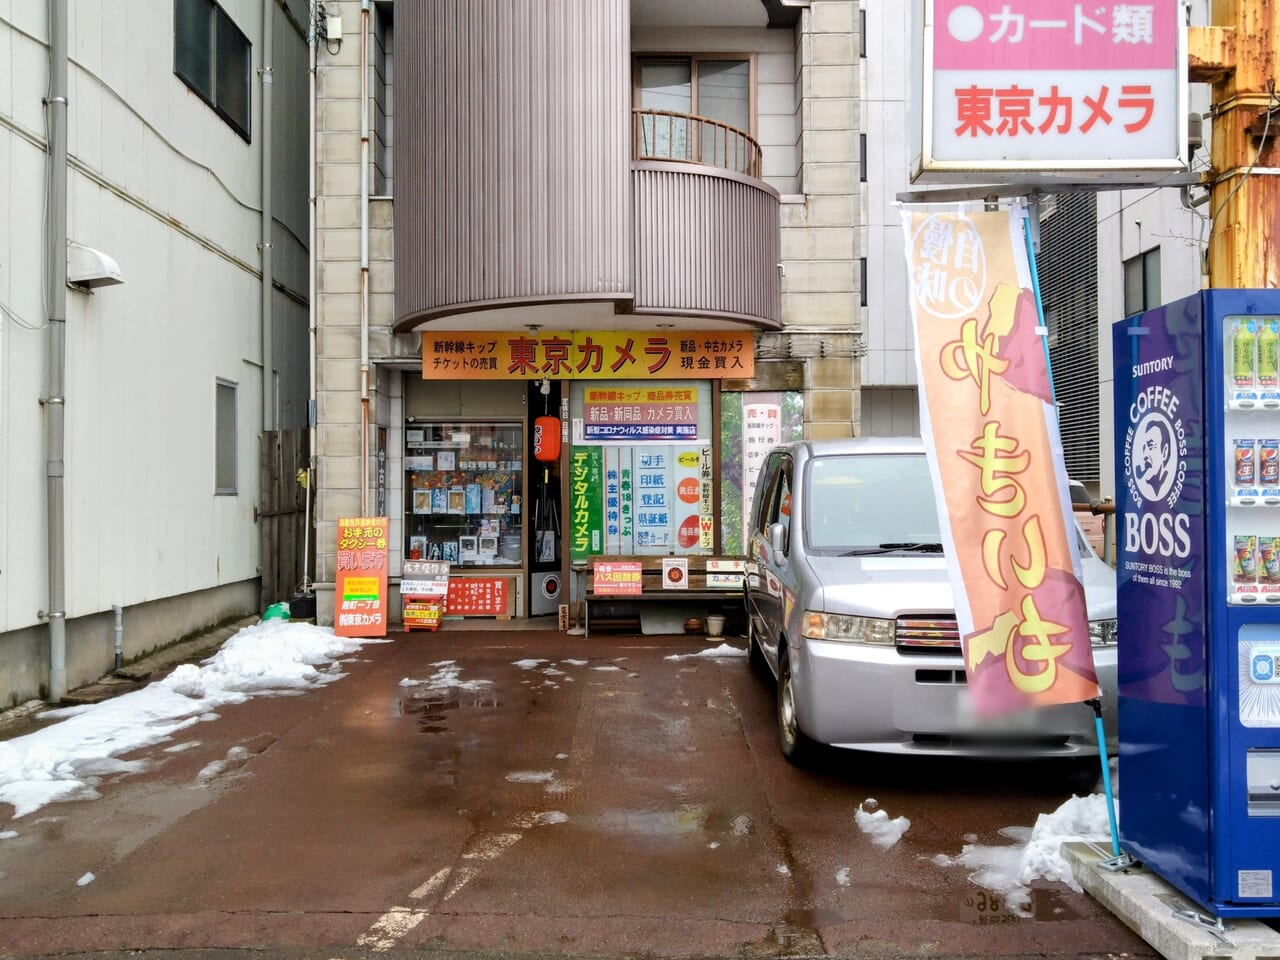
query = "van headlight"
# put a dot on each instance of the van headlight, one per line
(1102, 633)
(838, 626)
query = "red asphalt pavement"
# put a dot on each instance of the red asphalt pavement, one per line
(630, 804)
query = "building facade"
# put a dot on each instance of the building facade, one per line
(135, 396)
(631, 224)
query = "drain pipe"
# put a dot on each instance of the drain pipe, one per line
(364, 258)
(268, 215)
(54, 401)
(312, 27)
(119, 612)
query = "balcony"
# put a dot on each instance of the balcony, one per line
(684, 138)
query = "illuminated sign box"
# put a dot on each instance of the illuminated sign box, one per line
(1050, 91)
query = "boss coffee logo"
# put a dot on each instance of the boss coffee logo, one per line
(1155, 450)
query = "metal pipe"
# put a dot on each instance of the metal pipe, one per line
(312, 27)
(364, 258)
(119, 612)
(55, 401)
(268, 216)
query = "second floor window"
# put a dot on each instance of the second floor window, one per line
(675, 93)
(212, 57)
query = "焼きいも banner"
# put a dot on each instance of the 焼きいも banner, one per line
(989, 424)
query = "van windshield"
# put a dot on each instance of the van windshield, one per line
(870, 501)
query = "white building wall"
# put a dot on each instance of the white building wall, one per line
(888, 366)
(159, 182)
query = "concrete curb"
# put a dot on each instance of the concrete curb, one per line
(1147, 903)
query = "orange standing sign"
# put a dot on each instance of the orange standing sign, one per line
(360, 597)
(988, 420)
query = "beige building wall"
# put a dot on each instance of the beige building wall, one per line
(343, 490)
(820, 287)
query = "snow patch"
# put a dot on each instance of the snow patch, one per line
(883, 831)
(59, 762)
(724, 651)
(1035, 854)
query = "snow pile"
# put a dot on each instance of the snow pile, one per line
(723, 651)
(876, 824)
(65, 760)
(1010, 870)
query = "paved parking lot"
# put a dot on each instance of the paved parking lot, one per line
(535, 793)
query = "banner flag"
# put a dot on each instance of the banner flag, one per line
(989, 425)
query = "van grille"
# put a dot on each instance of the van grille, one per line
(932, 635)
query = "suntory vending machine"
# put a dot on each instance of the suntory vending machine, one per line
(1197, 465)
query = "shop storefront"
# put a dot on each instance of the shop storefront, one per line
(526, 453)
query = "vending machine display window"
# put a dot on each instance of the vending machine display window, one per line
(464, 491)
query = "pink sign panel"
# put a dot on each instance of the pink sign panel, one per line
(1054, 35)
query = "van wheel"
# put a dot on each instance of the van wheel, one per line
(796, 746)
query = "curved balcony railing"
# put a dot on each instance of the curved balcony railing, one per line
(687, 138)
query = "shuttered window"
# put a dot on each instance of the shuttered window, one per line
(1067, 264)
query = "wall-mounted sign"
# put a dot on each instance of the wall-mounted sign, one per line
(639, 413)
(1051, 90)
(360, 595)
(621, 578)
(588, 355)
(477, 596)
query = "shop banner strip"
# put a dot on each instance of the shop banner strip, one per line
(588, 355)
(990, 428)
(360, 596)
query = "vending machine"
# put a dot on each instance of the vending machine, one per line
(1197, 462)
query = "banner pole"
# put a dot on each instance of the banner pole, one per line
(1096, 703)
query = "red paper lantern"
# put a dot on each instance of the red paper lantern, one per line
(546, 439)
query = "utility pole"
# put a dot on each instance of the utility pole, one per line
(1237, 55)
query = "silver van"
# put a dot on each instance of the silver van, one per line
(849, 605)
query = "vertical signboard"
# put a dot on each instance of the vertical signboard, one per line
(989, 424)
(360, 594)
(761, 432)
(586, 528)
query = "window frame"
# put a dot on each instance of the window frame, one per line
(641, 59)
(220, 25)
(226, 446)
(1143, 262)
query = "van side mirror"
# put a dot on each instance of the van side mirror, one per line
(778, 543)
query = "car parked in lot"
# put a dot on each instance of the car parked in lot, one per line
(849, 606)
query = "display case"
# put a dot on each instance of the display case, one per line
(464, 487)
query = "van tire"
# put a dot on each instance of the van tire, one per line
(796, 746)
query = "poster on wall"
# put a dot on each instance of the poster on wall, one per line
(761, 432)
(360, 594)
(653, 506)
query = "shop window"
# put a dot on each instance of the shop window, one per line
(212, 57)
(224, 433)
(464, 488)
(641, 470)
(751, 424)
